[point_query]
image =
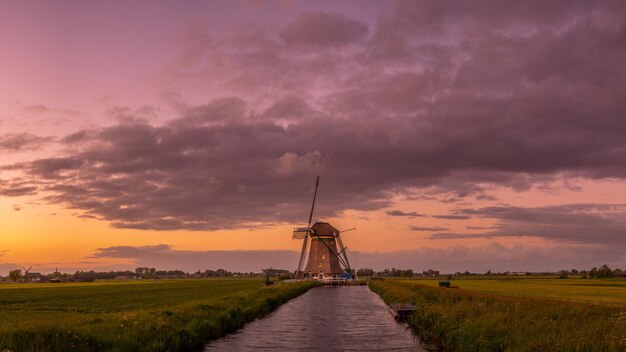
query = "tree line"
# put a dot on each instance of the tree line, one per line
(139, 273)
(603, 272)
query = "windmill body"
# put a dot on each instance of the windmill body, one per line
(323, 260)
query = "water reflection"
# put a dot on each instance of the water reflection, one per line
(325, 319)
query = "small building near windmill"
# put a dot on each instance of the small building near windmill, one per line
(323, 263)
(35, 277)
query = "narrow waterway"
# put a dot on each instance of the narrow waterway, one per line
(348, 318)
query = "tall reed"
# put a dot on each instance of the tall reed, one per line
(459, 320)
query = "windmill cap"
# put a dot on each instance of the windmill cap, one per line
(324, 229)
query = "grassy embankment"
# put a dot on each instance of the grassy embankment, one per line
(515, 315)
(167, 315)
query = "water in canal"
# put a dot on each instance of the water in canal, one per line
(348, 318)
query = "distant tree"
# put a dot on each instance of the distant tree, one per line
(365, 272)
(15, 275)
(430, 272)
(593, 272)
(139, 271)
(605, 272)
(488, 272)
(401, 272)
(574, 272)
(563, 274)
(466, 273)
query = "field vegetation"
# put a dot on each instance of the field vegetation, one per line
(142, 315)
(605, 291)
(515, 315)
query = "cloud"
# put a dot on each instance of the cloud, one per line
(323, 29)
(571, 223)
(51, 168)
(290, 163)
(165, 257)
(6, 267)
(16, 188)
(452, 217)
(124, 114)
(290, 108)
(14, 142)
(130, 251)
(432, 229)
(411, 214)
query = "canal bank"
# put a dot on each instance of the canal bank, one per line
(348, 318)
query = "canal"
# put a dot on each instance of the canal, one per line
(348, 318)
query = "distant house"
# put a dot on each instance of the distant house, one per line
(33, 277)
(123, 277)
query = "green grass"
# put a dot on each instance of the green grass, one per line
(604, 291)
(517, 316)
(163, 315)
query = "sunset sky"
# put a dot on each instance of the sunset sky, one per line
(454, 135)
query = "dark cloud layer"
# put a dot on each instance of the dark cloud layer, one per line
(164, 256)
(323, 29)
(14, 142)
(16, 188)
(410, 214)
(596, 224)
(475, 92)
(430, 229)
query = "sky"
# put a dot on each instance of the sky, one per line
(454, 135)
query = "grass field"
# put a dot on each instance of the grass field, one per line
(163, 315)
(516, 315)
(605, 291)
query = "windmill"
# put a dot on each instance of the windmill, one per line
(26, 271)
(324, 260)
(268, 274)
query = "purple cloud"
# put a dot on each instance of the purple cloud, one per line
(16, 188)
(411, 214)
(164, 256)
(451, 217)
(323, 29)
(14, 142)
(592, 224)
(430, 229)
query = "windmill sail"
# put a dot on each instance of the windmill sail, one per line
(299, 233)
